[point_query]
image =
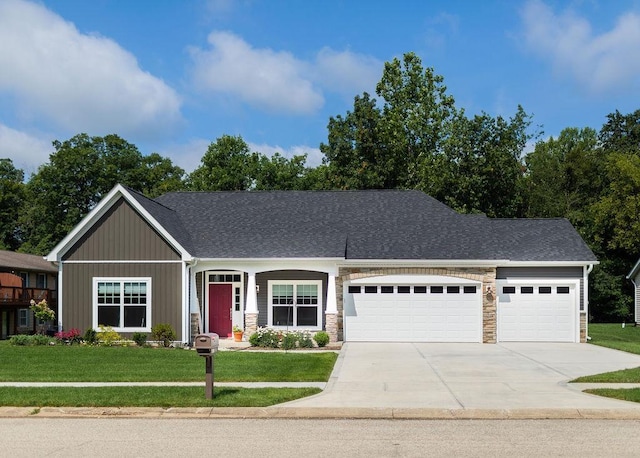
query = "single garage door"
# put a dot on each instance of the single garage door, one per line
(537, 312)
(413, 313)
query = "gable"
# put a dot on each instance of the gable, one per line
(121, 234)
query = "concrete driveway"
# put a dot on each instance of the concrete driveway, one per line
(469, 376)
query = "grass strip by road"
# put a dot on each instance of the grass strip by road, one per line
(622, 376)
(76, 363)
(149, 396)
(624, 394)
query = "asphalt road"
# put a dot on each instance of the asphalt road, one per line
(66, 437)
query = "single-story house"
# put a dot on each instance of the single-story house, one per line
(375, 265)
(634, 276)
(24, 277)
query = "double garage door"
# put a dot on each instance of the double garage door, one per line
(444, 309)
(439, 311)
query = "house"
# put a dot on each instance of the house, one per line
(634, 276)
(24, 277)
(377, 265)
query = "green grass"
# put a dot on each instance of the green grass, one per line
(615, 336)
(134, 364)
(150, 396)
(629, 394)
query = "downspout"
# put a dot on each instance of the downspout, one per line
(587, 270)
(186, 301)
(635, 301)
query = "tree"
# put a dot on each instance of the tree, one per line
(564, 175)
(12, 202)
(228, 165)
(160, 176)
(280, 173)
(480, 168)
(79, 173)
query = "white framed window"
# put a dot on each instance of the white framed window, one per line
(122, 303)
(23, 318)
(295, 304)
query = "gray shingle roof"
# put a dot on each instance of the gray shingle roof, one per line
(382, 224)
(27, 262)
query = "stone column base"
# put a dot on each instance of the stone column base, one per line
(331, 326)
(250, 324)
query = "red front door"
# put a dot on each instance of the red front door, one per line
(220, 303)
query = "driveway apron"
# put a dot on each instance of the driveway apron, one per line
(468, 376)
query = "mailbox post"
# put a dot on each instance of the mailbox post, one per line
(207, 346)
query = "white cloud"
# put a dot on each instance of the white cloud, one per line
(277, 81)
(599, 62)
(269, 79)
(27, 152)
(346, 72)
(76, 81)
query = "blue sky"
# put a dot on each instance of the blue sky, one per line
(171, 76)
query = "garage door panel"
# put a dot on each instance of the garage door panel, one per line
(424, 317)
(537, 316)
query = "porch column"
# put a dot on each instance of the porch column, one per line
(331, 312)
(251, 306)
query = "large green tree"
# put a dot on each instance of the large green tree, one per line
(12, 202)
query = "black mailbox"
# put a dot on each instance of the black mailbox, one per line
(206, 344)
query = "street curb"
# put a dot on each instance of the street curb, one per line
(318, 413)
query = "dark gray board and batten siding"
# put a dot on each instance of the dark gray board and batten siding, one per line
(122, 235)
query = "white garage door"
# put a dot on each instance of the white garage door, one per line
(537, 312)
(413, 313)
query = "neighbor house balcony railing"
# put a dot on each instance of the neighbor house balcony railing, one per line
(17, 295)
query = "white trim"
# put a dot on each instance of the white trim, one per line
(252, 294)
(26, 318)
(186, 316)
(571, 282)
(59, 287)
(123, 261)
(98, 211)
(237, 317)
(414, 280)
(94, 305)
(295, 284)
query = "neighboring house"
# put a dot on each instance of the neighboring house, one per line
(634, 276)
(24, 277)
(386, 265)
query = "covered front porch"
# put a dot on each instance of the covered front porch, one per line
(286, 295)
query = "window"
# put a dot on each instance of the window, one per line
(453, 289)
(224, 278)
(404, 289)
(23, 318)
(419, 290)
(562, 290)
(437, 289)
(508, 290)
(25, 279)
(41, 281)
(386, 289)
(124, 304)
(354, 289)
(469, 290)
(544, 290)
(295, 303)
(370, 289)
(526, 290)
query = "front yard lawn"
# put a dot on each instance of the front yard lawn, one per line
(175, 396)
(133, 364)
(615, 336)
(628, 394)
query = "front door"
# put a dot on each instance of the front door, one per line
(220, 305)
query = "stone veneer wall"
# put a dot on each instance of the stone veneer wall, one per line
(583, 327)
(485, 275)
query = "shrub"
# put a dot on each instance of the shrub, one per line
(290, 340)
(20, 340)
(164, 333)
(107, 336)
(304, 340)
(265, 337)
(90, 336)
(321, 338)
(140, 338)
(69, 337)
(41, 339)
